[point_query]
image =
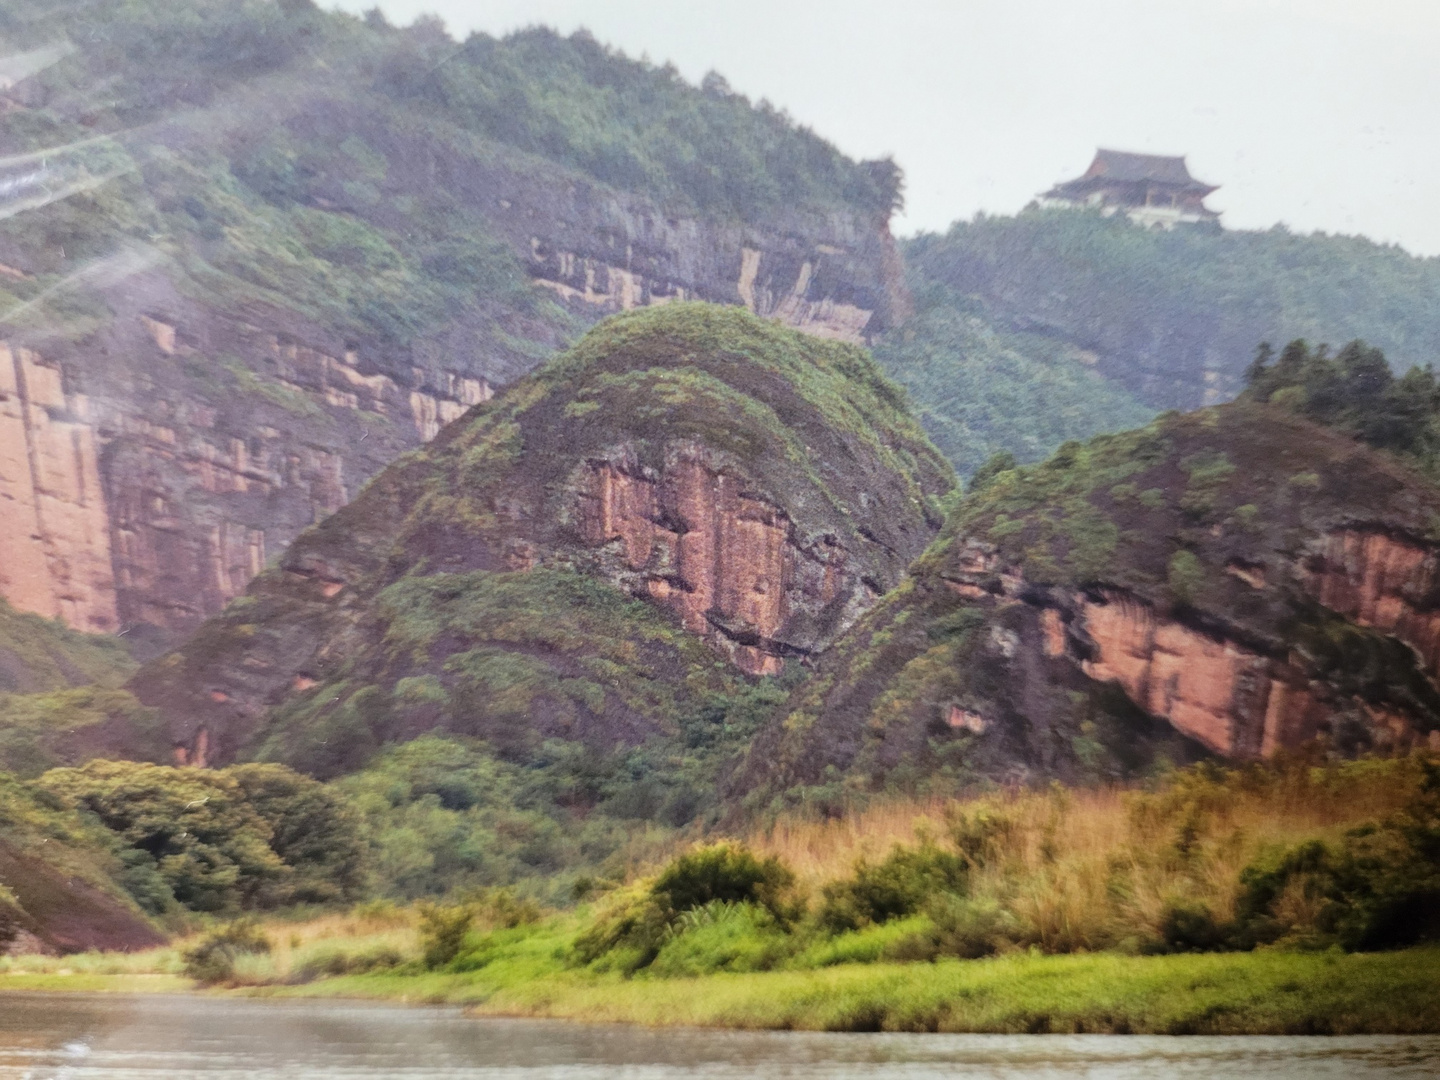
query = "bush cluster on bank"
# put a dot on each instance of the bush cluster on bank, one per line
(1181, 877)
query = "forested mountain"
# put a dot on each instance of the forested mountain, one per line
(251, 251)
(1061, 323)
(980, 390)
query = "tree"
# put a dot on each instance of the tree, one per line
(198, 828)
(313, 830)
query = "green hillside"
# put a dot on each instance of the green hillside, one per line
(213, 162)
(39, 654)
(1058, 324)
(1174, 315)
(980, 391)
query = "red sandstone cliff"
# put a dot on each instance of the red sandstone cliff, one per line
(1232, 698)
(153, 507)
(731, 564)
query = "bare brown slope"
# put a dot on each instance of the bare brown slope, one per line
(63, 914)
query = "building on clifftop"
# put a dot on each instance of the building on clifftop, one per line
(1149, 189)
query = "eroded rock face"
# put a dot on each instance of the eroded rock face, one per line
(684, 456)
(1381, 582)
(729, 562)
(162, 499)
(1229, 698)
(792, 301)
(55, 554)
(145, 506)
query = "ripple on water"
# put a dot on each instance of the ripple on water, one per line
(110, 1037)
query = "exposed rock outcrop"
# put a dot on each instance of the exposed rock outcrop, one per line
(55, 555)
(732, 565)
(149, 503)
(346, 272)
(1383, 582)
(753, 488)
(1233, 700)
(1237, 581)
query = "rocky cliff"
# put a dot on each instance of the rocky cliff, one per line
(239, 282)
(689, 496)
(1235, 581)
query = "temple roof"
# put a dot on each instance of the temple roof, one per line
(1118, 166)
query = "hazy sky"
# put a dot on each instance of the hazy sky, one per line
(1322, 114)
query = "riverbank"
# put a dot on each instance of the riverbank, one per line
(1229, 993)
(1252, 993)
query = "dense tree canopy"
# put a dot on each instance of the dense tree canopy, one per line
(1356, 391)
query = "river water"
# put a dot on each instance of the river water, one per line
(112, 1037)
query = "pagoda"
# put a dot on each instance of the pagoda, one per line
(1147, 188)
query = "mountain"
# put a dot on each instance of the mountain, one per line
(1234, 581)
(980, 390)
(1061, 324)
(668, 510)
(250, 252)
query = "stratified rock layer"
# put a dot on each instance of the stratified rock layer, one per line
(731, 564)
(1384, 582)
(55, 556)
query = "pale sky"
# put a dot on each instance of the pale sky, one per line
(1321, 114)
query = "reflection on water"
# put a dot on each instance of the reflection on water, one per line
(80, 1037)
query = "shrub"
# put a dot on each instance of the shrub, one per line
(249, 837)
(729, 873)
(330, 963)
(504, 909)
(867, 946)
(196, 827)
(212, 960)
(313, 830)
(721, 936)
(972, 928)
(1378, 889)
(442, 933)
(635, 924)
(898, 886)
(632, 924)
(1192, 927)
(981, 836)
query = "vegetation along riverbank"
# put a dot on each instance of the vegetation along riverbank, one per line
(1215, 901)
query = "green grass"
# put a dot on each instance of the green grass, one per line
(39, 655)
(529, 971)
(90, 982)
(1244, 993)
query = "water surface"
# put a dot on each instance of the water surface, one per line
(115, 1037)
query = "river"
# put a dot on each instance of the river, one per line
(115, 1037)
